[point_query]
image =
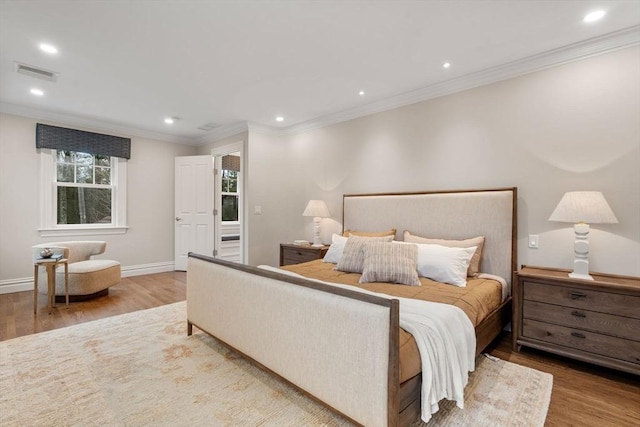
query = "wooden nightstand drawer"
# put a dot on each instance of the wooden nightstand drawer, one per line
(593, 321)
(586, 299)
(295, 254)
(599, 344)
(296, 257)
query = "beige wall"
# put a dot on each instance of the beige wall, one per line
(149, 239)
(573, 127)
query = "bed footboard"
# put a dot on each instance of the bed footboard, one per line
(339, 346)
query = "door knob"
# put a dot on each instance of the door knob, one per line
(178, 218)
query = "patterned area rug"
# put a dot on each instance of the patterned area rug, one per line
(141, 369)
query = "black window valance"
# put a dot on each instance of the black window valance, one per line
(59, 138)
(231, 163)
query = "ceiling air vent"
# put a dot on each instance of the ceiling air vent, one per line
(38, 73)
(208, 127)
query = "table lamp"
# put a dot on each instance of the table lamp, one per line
(582, 208)
(318, 210)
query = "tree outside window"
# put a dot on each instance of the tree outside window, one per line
(84, 189)
(230, 196)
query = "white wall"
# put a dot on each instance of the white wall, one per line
(572, 127)
(149, 240)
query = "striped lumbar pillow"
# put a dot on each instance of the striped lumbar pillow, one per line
(388, 262)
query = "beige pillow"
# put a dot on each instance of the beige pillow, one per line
(474, 265)
(391, 263)
(391, 232)
(352, 259)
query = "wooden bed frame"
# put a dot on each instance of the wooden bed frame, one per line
(339, 346)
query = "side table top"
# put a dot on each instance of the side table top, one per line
(600, 279)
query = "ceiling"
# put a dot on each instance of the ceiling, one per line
(126, 65)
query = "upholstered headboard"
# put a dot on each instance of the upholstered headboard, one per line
(456, 215)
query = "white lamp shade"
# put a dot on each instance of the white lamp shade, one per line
(583, 206)
(316, 208)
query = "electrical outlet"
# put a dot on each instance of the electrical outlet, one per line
(257, 210)
(533, 241)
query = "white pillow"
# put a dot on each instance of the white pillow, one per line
(443, 264)
(474, 264)
(334, 253)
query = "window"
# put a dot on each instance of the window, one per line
(229, 195)
(83, 187)
(82, 193)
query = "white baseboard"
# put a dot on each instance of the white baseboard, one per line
(10, 286)
(142, 269)
(16, 285)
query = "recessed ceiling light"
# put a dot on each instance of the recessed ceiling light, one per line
(279, 119)
(361, 93)
(37, 92)
(594, 16)
(48, 48)
(168, 120)
(446, 65)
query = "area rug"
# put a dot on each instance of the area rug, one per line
(141, 369)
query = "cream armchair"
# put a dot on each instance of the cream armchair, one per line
(87, 277)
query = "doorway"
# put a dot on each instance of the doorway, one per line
(229, 223)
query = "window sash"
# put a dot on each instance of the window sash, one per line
(236, 207)
(84, 205)
(48, 196)
(76, 163)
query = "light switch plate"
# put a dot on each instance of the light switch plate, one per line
(533, 241)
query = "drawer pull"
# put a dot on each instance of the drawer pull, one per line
(576, 295)
(578, 314)
(577, 335)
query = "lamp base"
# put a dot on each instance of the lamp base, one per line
(317, 243)
(581, 252)
(580, 276)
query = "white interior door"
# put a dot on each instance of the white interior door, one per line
(194, 231)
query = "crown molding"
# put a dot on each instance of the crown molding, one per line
(221, 132)
(265, 129)
(89, 123)
(595, 46)
(234, 129)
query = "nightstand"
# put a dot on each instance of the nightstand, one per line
(295, 254)
(593, 321)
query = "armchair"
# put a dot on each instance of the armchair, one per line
(88, 277)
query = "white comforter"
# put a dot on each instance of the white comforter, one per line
(446, 340)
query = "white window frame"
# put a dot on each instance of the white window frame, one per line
(49, 226)
(228, 193)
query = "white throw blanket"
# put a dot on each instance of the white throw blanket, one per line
(446, 340)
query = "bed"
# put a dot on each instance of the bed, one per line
(340, 345)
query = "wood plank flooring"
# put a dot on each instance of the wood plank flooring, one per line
(131, 294)
(583, 394)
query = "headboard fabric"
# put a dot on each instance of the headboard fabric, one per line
(459, 214)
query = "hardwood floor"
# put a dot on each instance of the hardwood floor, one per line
(583, 394)
(131, 294)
